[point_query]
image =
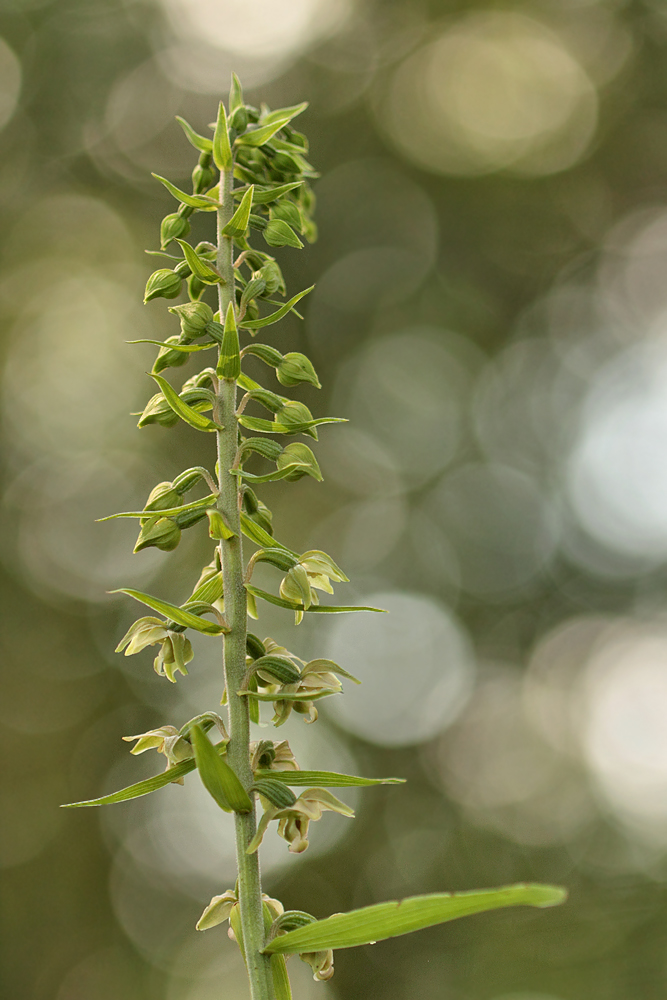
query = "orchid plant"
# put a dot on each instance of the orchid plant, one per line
(254, 177)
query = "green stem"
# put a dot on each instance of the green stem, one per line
(249, 885)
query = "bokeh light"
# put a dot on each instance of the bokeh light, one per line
(415, 665)
(496, 90)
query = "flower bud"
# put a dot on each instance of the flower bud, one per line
(295, 368)
(173, 227)
(167, 358)
(160, 533)
(202, 178)
(162, 497)
(321, 962)
(273, 277)
(163, 283)
(194, 317)
(239, 119)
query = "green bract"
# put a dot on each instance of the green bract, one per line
(252, 173)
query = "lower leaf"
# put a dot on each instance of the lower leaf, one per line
(387, 920)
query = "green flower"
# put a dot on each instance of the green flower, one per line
(293, 821)
(175, 649)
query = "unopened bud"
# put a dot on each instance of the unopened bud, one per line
(173, 227)
(239, 119)
(295, 368)
(162, 497)
(194, 317)
(160, 533)
(273, 277)
(202, 178)
(163, 283)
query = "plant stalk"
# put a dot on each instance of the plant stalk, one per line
(249, 884)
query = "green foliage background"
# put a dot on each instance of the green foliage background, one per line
(473, 309)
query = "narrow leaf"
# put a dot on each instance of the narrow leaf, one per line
(199, 267)
(138, 789)
(183, 410)
(325, 779)
(169, 512)
(386, 920)
(293, 606)
(255, 533)
(265, 195)
(200, 142)
(185, 348)
(262, 134)
(192, 200)
(238, 224)
(257, 324)
(229, 363)
(145, 787)
(263, 426)
(285, 114)
(172, 612)
(235, 94)
(222, 153)
(217, 776)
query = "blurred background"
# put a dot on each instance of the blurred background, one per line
(491, 316)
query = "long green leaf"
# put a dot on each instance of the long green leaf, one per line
(183, 410)
(257, 534)
(140, 788)
(172, 612)
(199, 267)
(325, 779)
(257, 324)
(386, 920)
(207, 501)
(280, 602)
(217, 776)
(145, 787)
(192, 200)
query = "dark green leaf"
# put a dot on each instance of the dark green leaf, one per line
(313, 695)
(217, 776)
(386, 920)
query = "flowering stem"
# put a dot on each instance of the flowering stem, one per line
(249, 885)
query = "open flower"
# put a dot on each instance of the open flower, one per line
(265, 755)
(175, 648)
(313, 680)
(314, 571)
(293, 821)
